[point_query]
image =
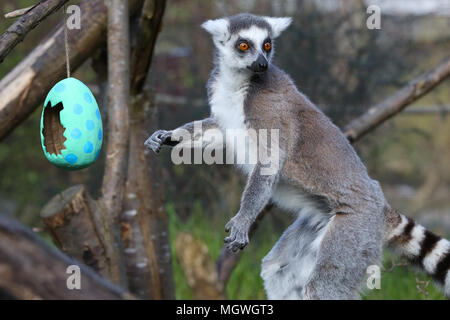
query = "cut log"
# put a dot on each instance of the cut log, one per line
(71, 217)
(31, 269)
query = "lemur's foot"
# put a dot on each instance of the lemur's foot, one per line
(238, 238)
(157, 139)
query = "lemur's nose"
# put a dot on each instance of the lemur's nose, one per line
(260, 65)
(263, 65)
(262, 62)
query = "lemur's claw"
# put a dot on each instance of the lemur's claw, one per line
(238, 238)
(157, 139)
(228, 226)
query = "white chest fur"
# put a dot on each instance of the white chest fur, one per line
(228, 94)
(227, 100)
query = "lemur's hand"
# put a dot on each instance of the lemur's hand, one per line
(238, 238)
(157, 139)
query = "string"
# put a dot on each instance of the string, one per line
(66, 41)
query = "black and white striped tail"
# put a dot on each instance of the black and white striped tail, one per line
(422, 248)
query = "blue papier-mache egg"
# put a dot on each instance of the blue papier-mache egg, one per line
(71, 125)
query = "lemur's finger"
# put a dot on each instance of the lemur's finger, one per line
(154, 146)
(229, 239)
(156, 139)
(235, 246)
(166, 135)
(156, 136)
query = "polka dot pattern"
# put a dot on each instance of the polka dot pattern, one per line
(75, 133)
(88, 147)
(60, 87)
(78, 109)
(87, 97)
(90, 125)
(100, 134)
(71, 158)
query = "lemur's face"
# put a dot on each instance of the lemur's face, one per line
(244, 41)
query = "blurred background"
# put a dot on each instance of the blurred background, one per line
(335, 60)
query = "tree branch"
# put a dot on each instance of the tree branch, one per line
(18, 30)
(118, 129)
(144, 221)
(30, 269)
(18, 12)
(143, 43)
(381, 112)
(428, 110)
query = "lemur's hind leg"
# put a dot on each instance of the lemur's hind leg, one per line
(351, 243)
(287, 267)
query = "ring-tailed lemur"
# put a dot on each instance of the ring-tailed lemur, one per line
(343, 218)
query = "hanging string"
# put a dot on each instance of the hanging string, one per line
(66, 41)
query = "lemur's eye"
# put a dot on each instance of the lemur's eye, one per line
(243, 46)
(267, 46)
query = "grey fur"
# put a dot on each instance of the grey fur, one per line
(246, 20)
(343, 218)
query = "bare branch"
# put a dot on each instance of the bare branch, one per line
(422, 286)
(30, 19)
(386, 109)
(19, 12)
(31, 269)
(428, 110)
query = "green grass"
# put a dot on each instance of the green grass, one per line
(245, 282)
(400, 283)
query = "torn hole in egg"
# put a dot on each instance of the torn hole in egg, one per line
(53, 130)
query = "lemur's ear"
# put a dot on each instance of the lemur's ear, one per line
(278, 24)
(217, 28)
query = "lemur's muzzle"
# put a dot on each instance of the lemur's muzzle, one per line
(260, 64)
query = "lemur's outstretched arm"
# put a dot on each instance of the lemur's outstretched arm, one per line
(171, 138)
(257, 194)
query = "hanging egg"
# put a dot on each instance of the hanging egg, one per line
(71, 125)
